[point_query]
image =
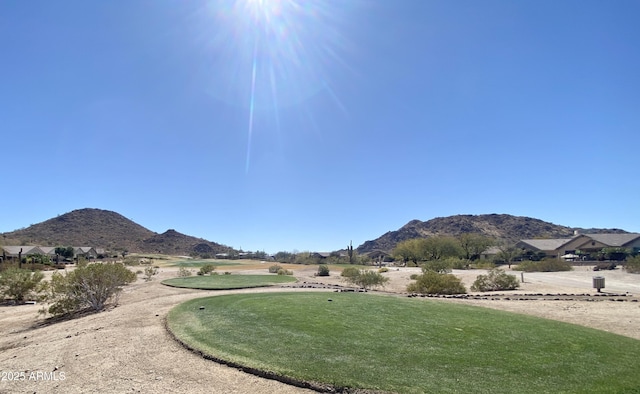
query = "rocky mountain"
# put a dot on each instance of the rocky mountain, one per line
(110, 231)
(174, 243)
(499, 226)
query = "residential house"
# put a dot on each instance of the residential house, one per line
(585, 246)
(85, 251)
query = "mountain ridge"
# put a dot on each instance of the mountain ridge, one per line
(110, 231)
(503, 227)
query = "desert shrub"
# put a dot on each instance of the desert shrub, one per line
(323, 270)
(632, 265)
(431, 282)
(605, 266)
(383, 270)
(19, 284)
(131, 261)
(440, 266)
(546, 265)
(139, 272)
(184, 272)
(366, 279)
(88, 287)
(283, 271)
(350, 272)
(274, 269)
(81, 261)
(206, 269)
(484, 264)
(496, 280)
(149, 272)
(414, 276)
(458, 264)
(226, 273)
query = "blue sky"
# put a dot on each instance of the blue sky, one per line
(301, 125)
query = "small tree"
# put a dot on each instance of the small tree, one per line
(323, 270)
(150, 272)
(20, 284)
(496, 280)
(91, 287)
(474, 244)
(440, 266)
(507, 253)
(66, 252)
(408, 251)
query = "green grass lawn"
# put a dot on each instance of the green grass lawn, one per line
(201, 263)
(227, 282)
(406, 345)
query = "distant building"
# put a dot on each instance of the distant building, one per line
(581, 245)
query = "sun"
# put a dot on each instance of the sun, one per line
(274, 54)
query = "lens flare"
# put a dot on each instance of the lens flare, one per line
(267, 55)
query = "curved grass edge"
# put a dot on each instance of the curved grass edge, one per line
(261, 373)
(267, 370)
(248, 286)
(222, 289)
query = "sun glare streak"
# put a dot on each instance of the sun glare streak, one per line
(335, 98)
(274, 93)
(251, 108)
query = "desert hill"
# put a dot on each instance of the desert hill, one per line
(111, 231)
(499, 226)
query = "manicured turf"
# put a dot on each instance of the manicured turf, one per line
(201, 263)
(406, 345)
(226, 282)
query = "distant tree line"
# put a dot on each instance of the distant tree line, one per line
(467, 246)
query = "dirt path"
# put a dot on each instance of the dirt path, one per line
(127, 349)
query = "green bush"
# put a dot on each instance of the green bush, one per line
(274, 269)
(350, 272)
(458, 264)
(131, 261)
(632, 265)
(414, 276)
(496, 280)
(431, 282)
(484, 264)
(323, 270)
(20, 284)
(546, 265)
(283, 271)
(206, 269)
(366, 279)
(383, 270)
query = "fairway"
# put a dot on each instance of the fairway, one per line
(202, 263)
(405, 345)
(228, 282)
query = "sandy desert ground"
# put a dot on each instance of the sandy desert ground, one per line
(127, 349)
